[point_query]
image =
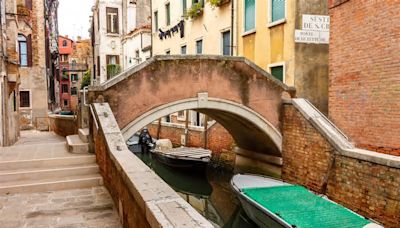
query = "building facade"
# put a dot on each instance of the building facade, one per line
(34, 75)
(9, 70)
(192, 27)
(120, 36)
(66, 46)
(364, 92)
(289, 39)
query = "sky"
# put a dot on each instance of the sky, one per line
(73, 17)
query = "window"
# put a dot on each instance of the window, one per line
(74, 77)
(156, 21)
(137, 56)
(74, 91)
(112, 20)
(278, 72)
(168, 52)
(183, 50)
(226, 43)
(199, 47)
(168, 14)
(168, 119)
(198, 1)
(65, 43)
(64, 58)
(113, 67)
(64, 88)
(24, 99)
(184, 7)
(65, 102)
(112, 59)
(277, 10)
(181, 115)
(249, 15)
(98, 66)
(24, 47)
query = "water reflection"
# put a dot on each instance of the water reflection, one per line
(208, 192)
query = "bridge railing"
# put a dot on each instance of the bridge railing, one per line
(143, 198)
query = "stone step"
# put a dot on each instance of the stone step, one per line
(40, 174)
(84, 134)
(52, 184)
(58, 162)
(76, 145)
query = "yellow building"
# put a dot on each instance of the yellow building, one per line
(191, 27)
(266, 31)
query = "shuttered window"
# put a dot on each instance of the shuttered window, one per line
(156, 21)
(183, 50)
(277, 72)
(226, 43)
(184, 7)
(64, 88)
(249, 15)
(168, 14)
(112, 20)
(277, 10)
(199, 47)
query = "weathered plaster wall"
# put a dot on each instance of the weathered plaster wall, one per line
(34, 78)
(311, 60)
(364, 181)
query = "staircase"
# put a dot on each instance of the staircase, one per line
(44, 164)
(78, 144)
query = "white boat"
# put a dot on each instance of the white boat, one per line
(274, 203)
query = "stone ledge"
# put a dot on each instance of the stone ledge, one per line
(64, 117)
(154, 197)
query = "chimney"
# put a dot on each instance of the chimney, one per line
(66, 36)
(79, 38)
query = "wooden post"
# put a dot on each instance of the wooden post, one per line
(159, 128)
(205, 131)
(187, 127)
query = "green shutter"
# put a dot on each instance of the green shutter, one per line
(277, 72)
(249, 15)
(278, 9)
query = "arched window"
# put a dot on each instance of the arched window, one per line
(65, 43)
(23, 50)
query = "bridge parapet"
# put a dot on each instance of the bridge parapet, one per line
(143, 198)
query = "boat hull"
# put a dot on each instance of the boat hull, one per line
(180, 163)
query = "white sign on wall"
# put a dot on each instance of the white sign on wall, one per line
(315, 30)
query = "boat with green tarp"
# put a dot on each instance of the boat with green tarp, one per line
(274, 203)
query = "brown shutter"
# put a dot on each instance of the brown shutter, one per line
(29, 50)
(28, 4)
(117, 59)
(108, 20)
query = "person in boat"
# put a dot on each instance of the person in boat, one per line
(145, 140)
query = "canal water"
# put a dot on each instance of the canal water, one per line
(208, 192)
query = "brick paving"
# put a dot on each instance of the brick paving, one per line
(90, 207)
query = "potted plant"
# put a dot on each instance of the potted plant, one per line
(113, 69)
(217, 3)
(195, 11)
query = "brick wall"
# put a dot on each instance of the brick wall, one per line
(364, 62)
(366, 187)
(218, 138)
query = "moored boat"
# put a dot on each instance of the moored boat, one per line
(181, 157)
(274, 203)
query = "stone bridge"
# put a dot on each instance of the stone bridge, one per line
(262, 115)
(240, 96)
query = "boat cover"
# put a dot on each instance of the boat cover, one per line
(301, 208)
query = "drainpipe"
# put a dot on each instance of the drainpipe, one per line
(151, 28)
(232, 24)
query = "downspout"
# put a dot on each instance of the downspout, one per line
(232, 24)
(151, 28)
(2, 83)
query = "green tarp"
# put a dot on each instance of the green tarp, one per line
(301, 208)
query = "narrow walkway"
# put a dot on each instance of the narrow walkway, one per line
(82, 206)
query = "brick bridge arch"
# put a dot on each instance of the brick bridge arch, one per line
(242, 97)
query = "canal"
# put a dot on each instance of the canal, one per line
(208, 192)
